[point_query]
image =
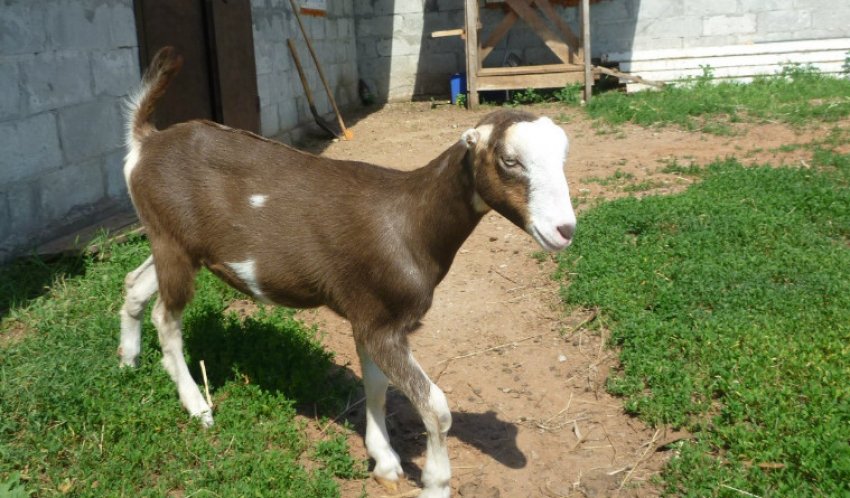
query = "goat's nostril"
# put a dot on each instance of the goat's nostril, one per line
(567, 230)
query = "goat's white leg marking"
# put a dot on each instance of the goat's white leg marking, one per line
(258, 200)
(171, 340)
(437, 472)
(387, 463)
(247, 273)
(140, 284)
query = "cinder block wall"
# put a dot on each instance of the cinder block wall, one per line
(64, 68)
(284, 113)
(399, 60)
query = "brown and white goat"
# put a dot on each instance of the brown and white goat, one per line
(299, 230)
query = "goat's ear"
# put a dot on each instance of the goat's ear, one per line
(470, 137)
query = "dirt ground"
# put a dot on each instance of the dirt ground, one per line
(524, 379)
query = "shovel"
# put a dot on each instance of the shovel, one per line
(319, 121)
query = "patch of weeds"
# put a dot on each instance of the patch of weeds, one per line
(570, 94)
(333, 454)
(643, 186)
(527, 96)
(74, 423)
(673, 167)
(730, 303)
(619, 177)
(796, 95)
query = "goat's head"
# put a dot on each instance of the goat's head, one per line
(518, 163)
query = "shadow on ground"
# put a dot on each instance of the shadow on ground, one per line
(278, 356)
(27, 278)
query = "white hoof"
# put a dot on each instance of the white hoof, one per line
(205, 417)
(441, 492)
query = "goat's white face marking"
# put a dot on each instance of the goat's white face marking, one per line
(247, 273)
(258, 200)
(541, 147)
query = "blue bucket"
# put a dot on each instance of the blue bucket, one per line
(457, 85)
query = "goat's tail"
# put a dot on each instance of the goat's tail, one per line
(161, 70)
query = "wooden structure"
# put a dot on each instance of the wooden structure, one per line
(572, 51)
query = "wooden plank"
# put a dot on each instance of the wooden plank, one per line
(447, 32)
(473, 63)
(497, 34)
(553, 41)
(572, 40)
(734, 60)
(520, 70)
(754, 49)
(585, 45)
(514, 82)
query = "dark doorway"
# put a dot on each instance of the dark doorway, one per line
(219, 78)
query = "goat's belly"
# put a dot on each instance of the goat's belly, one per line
(243, 277)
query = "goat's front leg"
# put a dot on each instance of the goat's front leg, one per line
(387, 463)
(392, 355)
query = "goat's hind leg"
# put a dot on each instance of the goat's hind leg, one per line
(139, 285)
(387, 463)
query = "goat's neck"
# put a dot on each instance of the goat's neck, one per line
(443, 191)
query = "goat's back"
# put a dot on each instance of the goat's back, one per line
(227, 196)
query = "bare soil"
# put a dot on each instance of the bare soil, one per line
(524, 377)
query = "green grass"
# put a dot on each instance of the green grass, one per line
(795, 96)
(731, 305)
(73, 422)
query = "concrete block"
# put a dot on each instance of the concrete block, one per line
(712, 8)
(670, 27)
(24, 210)
(78, 25)
(22, 28)
(287, 114)
(409, 6)
(363, 9)
(91, 129)
(385, 7)
(540, 55)
(259, 4)
(728, 25)
(784, 21)
(30, 148)
(756, 6)
(612, 12)
(269, 125)
(113, 174)
(833, 18)
(71, 187)
(412, 24)
(648, 9)
(116, 72)
(122, 25)
(10, 92)
(53, 80)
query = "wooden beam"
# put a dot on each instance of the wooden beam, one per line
(585, 45)
(564, 28)
(539, 69)
(447, 32)
(529, 15)
(473, 62)
(497, 34)
(514, 82)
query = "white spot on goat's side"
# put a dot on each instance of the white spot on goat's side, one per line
(542, 146)
(258, 200)
(247, 273)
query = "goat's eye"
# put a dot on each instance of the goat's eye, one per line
(510, 162)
